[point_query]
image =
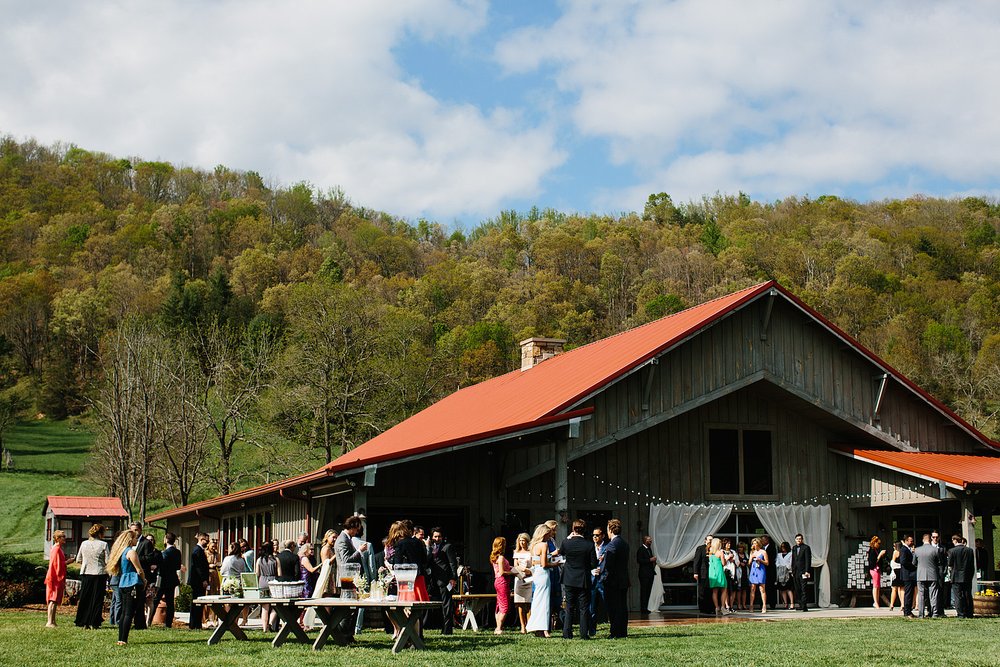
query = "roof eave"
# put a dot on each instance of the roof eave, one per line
(246, 494)
(951, 482)
(506, 433)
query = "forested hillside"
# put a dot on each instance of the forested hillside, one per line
(217, 330)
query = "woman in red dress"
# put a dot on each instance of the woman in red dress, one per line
(55, 579)
(501, 580)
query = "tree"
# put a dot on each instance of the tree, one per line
(13, 403)
(660, 209)
(25, 308)
(333, 374)
(130, 405)
(236, 369)
(183, 439)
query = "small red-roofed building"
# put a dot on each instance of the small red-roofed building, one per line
(76, 514)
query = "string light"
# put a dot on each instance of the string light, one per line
(646, 498)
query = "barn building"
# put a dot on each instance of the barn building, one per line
(750, 413)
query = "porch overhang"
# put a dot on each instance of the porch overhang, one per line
(960, 472)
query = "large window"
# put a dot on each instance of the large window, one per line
(255, 527)
(740, 462)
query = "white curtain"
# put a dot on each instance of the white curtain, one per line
(677, 531)
(783, 522)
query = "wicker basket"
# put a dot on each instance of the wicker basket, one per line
(286, 589)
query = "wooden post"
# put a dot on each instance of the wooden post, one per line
(361, 507)
(969, 530)
(562, 488)
(987, 520)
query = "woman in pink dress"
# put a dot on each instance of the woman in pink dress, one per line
(501, 580)
(55, 579)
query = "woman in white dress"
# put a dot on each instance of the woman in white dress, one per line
(522, 588)
(538, 621)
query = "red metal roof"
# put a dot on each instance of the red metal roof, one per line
(961, 470)
(521, 398)
(85, 506)
(254, 492)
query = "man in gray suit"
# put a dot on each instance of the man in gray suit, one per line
(345, 552)
(928, 560)
(343, 547)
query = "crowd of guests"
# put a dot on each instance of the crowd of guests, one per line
(731, 580)
(930, 575)
(565, 584)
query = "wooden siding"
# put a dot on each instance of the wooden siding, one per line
(891, 488)
(804, 356)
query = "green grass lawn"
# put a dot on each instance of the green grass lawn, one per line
(48, 458)
(862, 642)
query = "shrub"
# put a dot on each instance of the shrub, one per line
(14, 594)
(183, 600)
(21, 581)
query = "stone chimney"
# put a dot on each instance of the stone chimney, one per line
(536, 350)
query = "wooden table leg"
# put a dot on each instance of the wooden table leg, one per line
(228, 622)
(289, 616)
(331, 621)
(408, 634)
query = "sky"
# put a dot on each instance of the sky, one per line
(454, 110)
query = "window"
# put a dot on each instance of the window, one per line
(915, 525)
(740, 462)
(254, 527)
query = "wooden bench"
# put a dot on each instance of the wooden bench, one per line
(474, 603)
(850, 596)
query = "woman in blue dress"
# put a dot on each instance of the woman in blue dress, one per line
(124, 562)
(758, 574)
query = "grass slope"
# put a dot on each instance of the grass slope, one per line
(48, 458)
(882, 641)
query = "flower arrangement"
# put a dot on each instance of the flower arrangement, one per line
(361, 586)
(232, 586)
(988, 593)
(379, 587)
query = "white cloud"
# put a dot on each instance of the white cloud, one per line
(776, 98)
(295, 91)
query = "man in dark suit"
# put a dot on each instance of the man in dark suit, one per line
(598, 607)
(907, 574)
(801, 570)
(198, 577)
(984, 565)
(927, 558)
(444, 575)
(771, 570)
(170, 563)
(580, 563)
(616, 581)
(961, 560)
(701, 577)
(646, 561)
(149, 559)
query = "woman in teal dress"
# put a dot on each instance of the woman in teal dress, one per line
(717, 578)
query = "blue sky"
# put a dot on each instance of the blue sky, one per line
(456, 109)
